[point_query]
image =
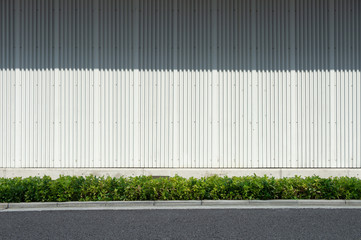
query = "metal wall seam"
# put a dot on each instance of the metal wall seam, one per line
(180, 84)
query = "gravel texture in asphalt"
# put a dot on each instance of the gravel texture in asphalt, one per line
(183, 224)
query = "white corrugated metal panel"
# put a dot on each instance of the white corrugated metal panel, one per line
(180, 83)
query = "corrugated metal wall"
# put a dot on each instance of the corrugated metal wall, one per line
(180, 83)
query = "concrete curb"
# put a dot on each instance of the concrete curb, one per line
(4, 206)
(182, 204)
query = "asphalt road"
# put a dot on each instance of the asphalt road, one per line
(183, 224)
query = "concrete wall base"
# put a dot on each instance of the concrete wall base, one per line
(184, 172)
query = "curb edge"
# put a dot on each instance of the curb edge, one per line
(181, 203)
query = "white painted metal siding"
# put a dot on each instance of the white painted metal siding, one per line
(180, 83)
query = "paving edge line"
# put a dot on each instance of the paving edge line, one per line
(184, 204)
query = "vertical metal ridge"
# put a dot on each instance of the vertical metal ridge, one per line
(189, 84)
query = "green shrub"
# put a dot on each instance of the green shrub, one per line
(92, 188)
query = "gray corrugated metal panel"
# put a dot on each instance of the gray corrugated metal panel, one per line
(159, 83)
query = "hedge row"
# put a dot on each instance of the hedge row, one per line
(91, 188)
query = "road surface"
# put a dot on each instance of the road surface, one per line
(183, 224)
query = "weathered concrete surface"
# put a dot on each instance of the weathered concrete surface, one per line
(32, 205)
(195, 204)
(3, 206)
